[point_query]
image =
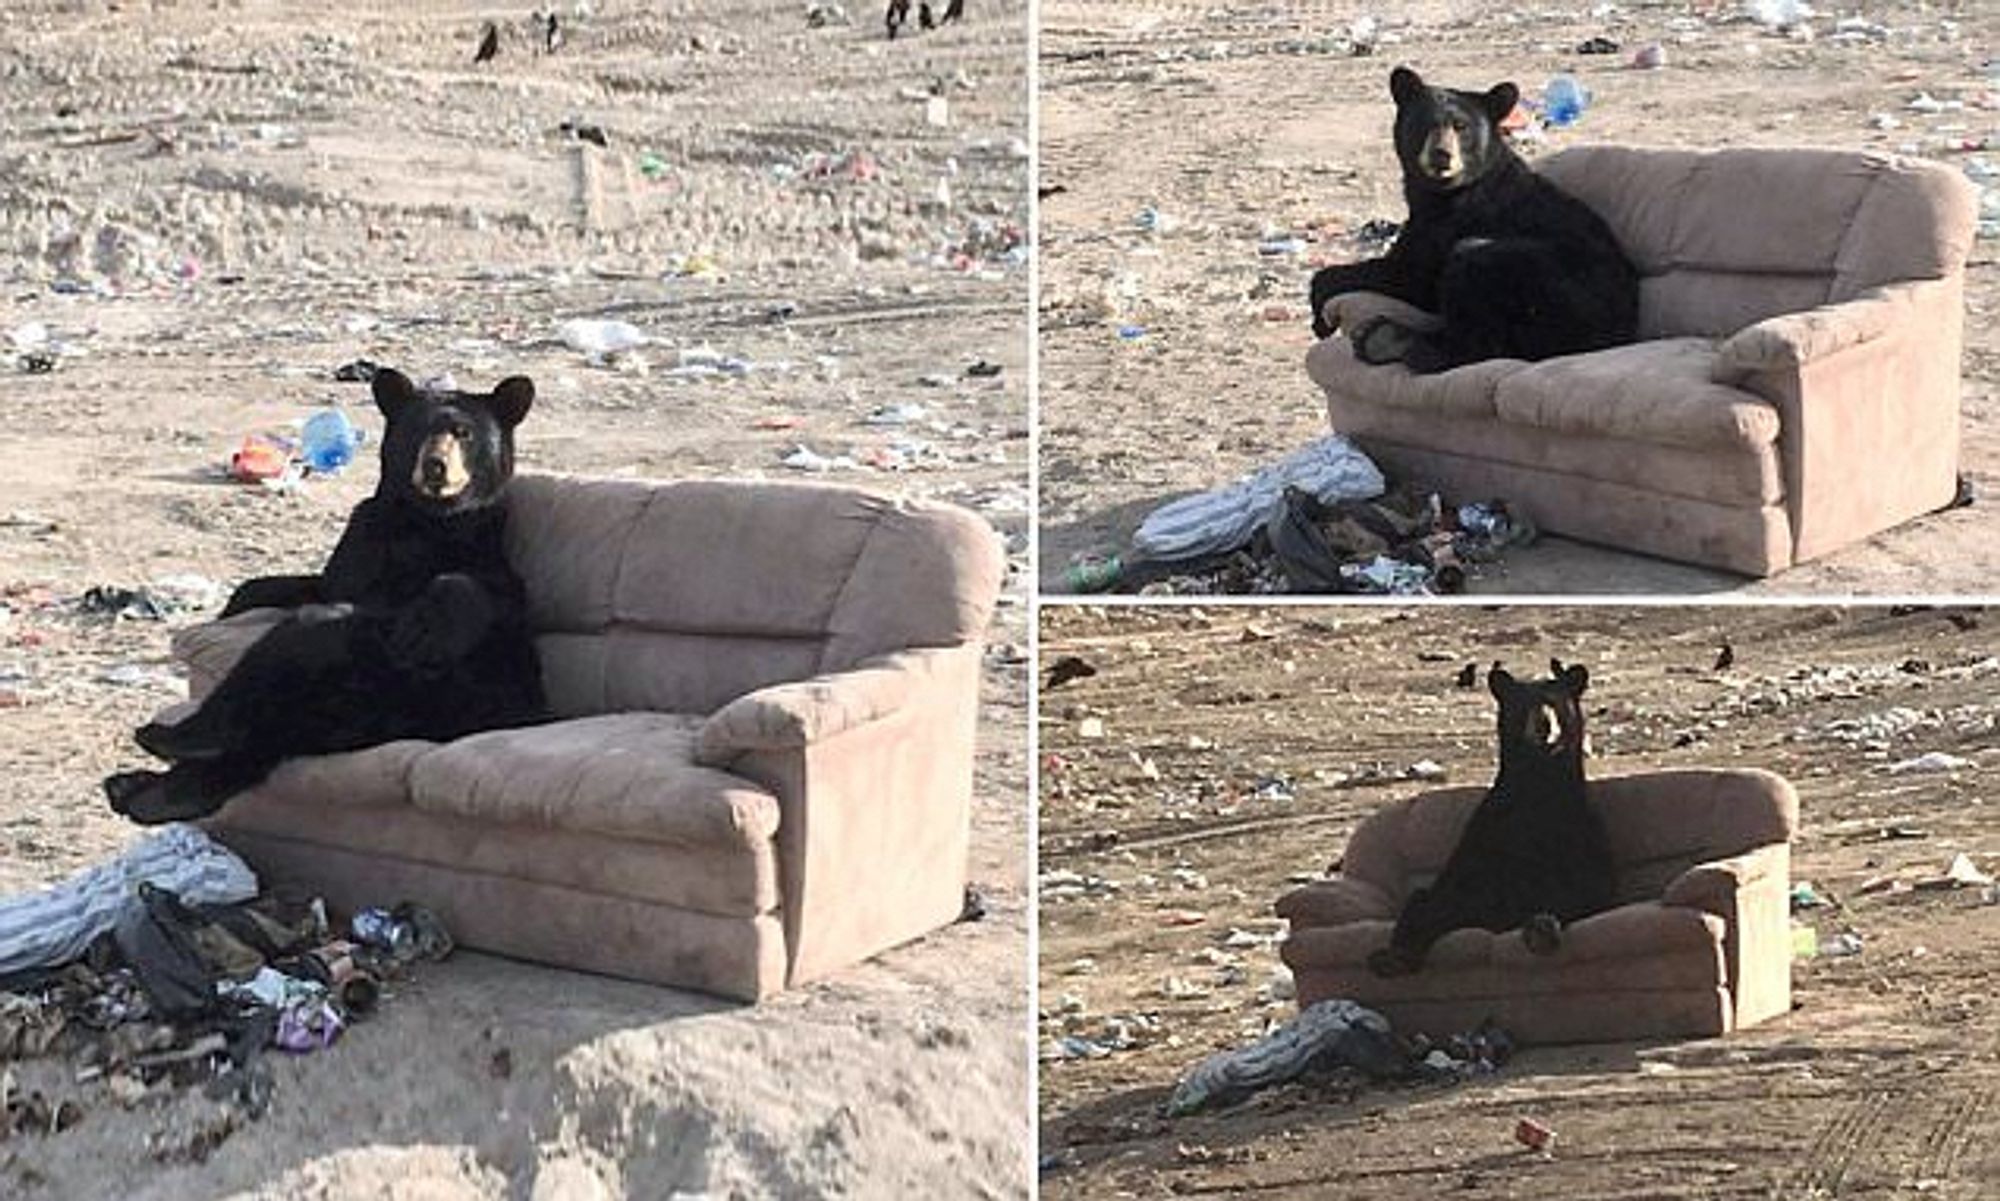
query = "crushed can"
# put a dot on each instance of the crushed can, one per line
(378, 928)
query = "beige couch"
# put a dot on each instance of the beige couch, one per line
(763, 767)
(1700, 943)
(1797, 388)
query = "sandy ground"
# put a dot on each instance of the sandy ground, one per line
(1239, 122)
(252, 195)
(1215, 783)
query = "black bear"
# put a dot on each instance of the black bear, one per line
(417, 628)
(1534, 854)
(1514, 266)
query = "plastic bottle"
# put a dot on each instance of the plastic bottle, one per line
(378, 928)
(1564, 100)
(1097, 573)
(329, 441)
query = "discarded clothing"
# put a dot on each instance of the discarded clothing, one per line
(155, 938)
(1325, 1034)
(56, 925)
(1331, 469)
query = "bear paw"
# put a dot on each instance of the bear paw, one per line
(1543, 933)
(1382, 341)
(150, 799)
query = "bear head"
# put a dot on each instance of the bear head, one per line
(1448, 139)
(448, 451)
(1541, 720)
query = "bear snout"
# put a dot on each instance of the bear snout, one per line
(441, 471)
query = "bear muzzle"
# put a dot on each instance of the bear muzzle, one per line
(440, 472)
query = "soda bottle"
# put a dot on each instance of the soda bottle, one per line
(329, 441)
(1564, 100)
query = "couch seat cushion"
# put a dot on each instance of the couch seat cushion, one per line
(630, 775)
(1466, 391)
(1635, 931)
(1662, 391)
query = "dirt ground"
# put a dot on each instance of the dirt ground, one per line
(1237, 123)
(207, 208)
(1220, 756)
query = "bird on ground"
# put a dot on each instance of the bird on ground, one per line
(1468, 676)
(1068, 668)
(489, 44)
(1726, 659)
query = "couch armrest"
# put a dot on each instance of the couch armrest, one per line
(873, 771)
(1713, 886)
(1350, 311)
(1335, 901)
(1793, 340)
(1751, 893)
(800, 713)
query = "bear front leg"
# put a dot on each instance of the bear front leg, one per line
(274, 592)
(185, 791)
(1372, 275)
(1429, 914)
(442, 626)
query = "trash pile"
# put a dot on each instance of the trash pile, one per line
(165, 969)
(1321, 520)
(1336, 1035)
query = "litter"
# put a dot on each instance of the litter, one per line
(601, 340)
(1961, 872)
(805, 458)
(1324, 1034)
(1564, 101)
(329, 441)
(1840, 946)
(1931, 761)
(1331, 469)
(57, 924)
(1778, 14)
(1534, 1135)
(1804, 896)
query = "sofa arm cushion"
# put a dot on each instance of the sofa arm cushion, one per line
(1792, 340)
(1713, 886)
(1350, 311)
(802, 712)
(1335, 901)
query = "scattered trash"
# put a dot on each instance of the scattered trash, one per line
(1534, 1135)
(1131, 333)
(1324, 1034)
(261, 459)
(1329, 470)
(1598, 45)
(329, 441)
(1564, 100)
(824, 14)
(585, 132)
(1778, 14)
(1093, 573)
(1805, 941)
(602, 340)
(1804, 896)
(1427, 769)
(1649, 57)
(1961, 872)
(1930, 761)
(1840, 946)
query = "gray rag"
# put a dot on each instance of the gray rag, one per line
(56, 925)
(1324, 1033)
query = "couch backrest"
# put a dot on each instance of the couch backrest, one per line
(683, 596)
(1726, 238)
(1659, 825)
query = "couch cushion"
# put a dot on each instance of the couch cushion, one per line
(624, 774)
(1658, 391)
(1467, 391)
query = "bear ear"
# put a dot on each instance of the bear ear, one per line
(1405, 85)
(1555, 666)
(1575, 678)
(510, 402)
(393, 391)
(1500, 100)
(1499, 680)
